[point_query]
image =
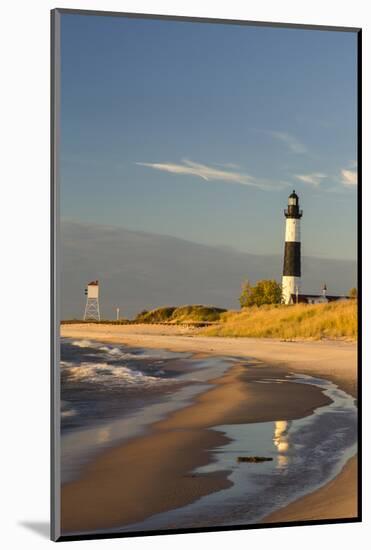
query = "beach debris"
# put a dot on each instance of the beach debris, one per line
(253, 459)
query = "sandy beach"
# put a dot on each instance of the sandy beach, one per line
(155, 468)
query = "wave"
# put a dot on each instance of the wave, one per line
(118, 353)
(97, 346)
(115, 352)
(107, 374)
(68, 413)
(83, 344)
(66, 410)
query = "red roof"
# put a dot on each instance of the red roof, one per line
(93, 283)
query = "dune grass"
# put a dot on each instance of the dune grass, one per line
(181, 314)
(317, 321)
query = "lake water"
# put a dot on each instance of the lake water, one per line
(111, 393)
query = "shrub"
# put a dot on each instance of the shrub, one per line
(266, 291)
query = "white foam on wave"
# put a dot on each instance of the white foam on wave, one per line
(104, 373)
(111, 351)
(68, 413)
(67, 410)
(119, 353)
(83, 344)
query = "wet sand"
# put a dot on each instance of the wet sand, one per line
(336, 500)
(151, 474)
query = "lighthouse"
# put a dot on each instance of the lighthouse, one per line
(292, 258)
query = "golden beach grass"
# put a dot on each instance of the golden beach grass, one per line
(317, 321)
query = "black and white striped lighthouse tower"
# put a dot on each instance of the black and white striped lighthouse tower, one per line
(292, 259)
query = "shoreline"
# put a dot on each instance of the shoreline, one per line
(335, 500)
(333, 359)
(224, 403)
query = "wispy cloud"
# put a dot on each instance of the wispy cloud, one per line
(349, 177)
(314, 178)
(294, 145)
(228, 165)
(210, 173)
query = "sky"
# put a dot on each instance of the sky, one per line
(201, 131)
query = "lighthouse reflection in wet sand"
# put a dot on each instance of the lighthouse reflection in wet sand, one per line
(292, 259)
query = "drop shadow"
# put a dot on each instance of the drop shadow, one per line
(42, 528)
